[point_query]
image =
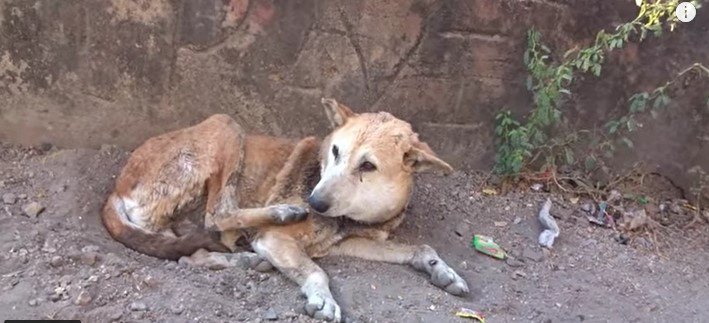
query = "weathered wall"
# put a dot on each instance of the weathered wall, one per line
(87, 72)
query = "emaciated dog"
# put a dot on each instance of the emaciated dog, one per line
(195, 193)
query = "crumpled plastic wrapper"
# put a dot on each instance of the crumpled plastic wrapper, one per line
(551, 229)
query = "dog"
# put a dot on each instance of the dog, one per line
(199, 194)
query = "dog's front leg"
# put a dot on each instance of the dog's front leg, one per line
(289, 258)
(421, 257)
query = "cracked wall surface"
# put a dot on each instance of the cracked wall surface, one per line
(81, 73)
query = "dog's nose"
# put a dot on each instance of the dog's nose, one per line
(318, 204)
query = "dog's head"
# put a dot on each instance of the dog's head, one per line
(367, 165)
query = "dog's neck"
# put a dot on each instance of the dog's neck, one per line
(346, 227)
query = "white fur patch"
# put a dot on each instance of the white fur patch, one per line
(133, 211)
(315, 283)
(334, 168)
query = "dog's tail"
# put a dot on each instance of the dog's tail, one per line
(119, 226)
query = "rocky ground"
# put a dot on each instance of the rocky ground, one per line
(58, 262)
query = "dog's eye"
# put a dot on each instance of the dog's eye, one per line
(335, 152)
(367, 167)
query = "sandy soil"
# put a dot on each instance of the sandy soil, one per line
(62, 264)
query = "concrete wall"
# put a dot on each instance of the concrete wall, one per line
(86, 72)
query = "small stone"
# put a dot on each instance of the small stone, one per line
(270, 314)
(177, 309)
(138, 307)
(517, 220)
(9, 198)
(34, 302)
(65, 280)
(83, 299)
(518, 273)
(588, 208)
(22, 196)
(55, 297)
(56, 261)
(464, 265)
(32, 209)
(115, 316)
(89, 258)
(512, 262)
(500, 223)
(150, 281)
(675, 208)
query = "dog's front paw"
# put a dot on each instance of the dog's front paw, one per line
(323, 308)
(442, 275)
(447, 279)
(287, 213)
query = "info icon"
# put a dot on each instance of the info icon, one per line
(685, 12)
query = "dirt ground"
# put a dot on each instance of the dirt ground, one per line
(62, 264)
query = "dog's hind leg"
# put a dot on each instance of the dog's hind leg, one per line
(421, 257)
(288, 257)
(221, 260)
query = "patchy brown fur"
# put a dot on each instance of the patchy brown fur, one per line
(194, 192)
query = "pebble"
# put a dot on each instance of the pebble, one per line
(512, 262)
(56, 261)
(588, 208)
(518, 273)
(65, 280)
(464, 265)
(22, 196)
(177, 309)
(9, 198)
(83, 299)
(138, 307)
(34, 302)
(675, 208)
(150, 281)
(32, 209)
(89, 258)
(270, 314)
(115, 316)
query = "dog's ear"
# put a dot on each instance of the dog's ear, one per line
(337, 113)
(420, 158)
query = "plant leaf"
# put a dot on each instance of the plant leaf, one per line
(569, 156)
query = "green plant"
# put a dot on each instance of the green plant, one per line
(643, 102)
(519, 143)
